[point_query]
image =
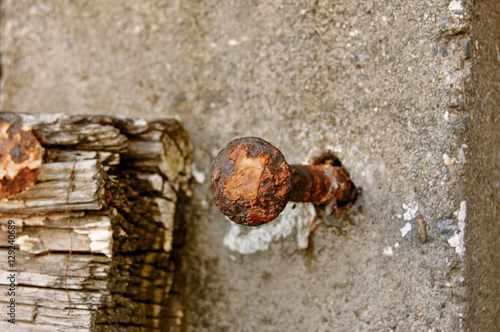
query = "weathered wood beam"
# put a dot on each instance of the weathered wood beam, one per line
(95, 233)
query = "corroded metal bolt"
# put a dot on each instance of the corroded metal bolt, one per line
(20, 158)
(252, 182)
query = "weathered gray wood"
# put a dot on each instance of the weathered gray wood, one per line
(99, 225)
(105, 158)
(61, 186)
(48, 271)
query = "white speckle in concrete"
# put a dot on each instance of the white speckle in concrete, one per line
(457, 241)
(388, 251)
(462, 213)
(447, 160)
(354, 33)
(304, 220)
(259, 239)
(199, 176)
(405, 229)
(455, 6)
(411, 211)
(232, 42)
(396, 245)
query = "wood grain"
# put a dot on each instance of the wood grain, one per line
(108, 192)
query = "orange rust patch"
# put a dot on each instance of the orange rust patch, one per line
(20, 158)
(251, 181)
(245, 180)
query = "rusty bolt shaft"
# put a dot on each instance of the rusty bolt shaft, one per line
(319, 184)
(252, 182)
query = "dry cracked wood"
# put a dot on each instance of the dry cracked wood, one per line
(108, 192)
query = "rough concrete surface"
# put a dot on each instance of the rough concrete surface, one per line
(382, 84)
(483, 173)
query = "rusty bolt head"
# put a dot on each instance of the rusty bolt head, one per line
(20, 158)
(251, 181)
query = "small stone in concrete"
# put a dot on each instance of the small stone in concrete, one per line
(464, 123)
(447, 229)
(466, 49)
(447, 160)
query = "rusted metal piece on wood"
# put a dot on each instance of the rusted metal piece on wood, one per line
(252, 182)
(20, 158)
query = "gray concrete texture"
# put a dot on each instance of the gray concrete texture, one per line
(383, 84)
(483, 173)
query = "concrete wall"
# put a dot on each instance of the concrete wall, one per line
(483, 232)
(382, 84)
